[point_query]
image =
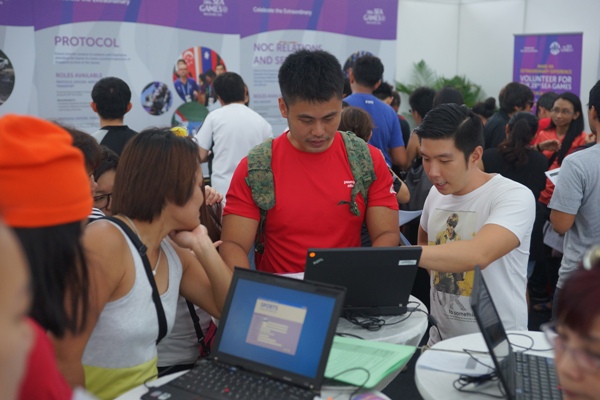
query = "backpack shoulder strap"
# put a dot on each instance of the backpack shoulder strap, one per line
(361, 165)
(262, 185)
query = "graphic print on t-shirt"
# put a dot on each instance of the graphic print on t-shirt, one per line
(452, 290)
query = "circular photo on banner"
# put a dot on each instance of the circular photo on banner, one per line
(350, 60)
(156, 98)
(7, 77)
(190, 116)
(194, 72)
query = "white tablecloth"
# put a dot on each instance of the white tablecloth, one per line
(409, 332)
(434, 385)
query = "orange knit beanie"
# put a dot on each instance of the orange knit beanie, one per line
(43, 181)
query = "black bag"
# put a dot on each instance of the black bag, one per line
(418, 185)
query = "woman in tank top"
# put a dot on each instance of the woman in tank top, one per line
(157, 193)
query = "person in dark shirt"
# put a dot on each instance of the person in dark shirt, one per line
(111, 100)
(516, 159)
(513, 97)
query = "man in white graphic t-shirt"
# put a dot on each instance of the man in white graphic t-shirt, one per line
(470, 218)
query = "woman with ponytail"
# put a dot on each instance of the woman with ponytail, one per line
(562, 137)
(515, 159)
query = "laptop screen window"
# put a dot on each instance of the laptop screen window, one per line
(279, 327)
(276, 326)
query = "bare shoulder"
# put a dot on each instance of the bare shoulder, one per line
(106, 249)
(104, 235)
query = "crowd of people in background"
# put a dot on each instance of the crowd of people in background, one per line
(82, 307)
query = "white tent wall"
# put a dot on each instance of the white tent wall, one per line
(427, 30)
(486, 42)
(476, 37)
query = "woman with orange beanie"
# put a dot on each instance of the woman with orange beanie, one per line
(46, 199)
(155, 246)
(15, 297)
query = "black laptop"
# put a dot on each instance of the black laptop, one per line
(273, 342)
(522, 376)
(378, 280)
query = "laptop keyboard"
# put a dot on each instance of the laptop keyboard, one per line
(224, 382)
(536, 377)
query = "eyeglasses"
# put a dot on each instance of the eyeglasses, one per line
(564, 111)
(102, 201)
(585, 359)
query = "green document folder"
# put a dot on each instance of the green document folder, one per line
(380, 359)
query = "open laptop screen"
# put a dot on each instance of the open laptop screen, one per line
(373, 276)
(492, 330)
(278, 325)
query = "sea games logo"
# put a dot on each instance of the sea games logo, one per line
(213, 8)
(554, 48)
(375, 16)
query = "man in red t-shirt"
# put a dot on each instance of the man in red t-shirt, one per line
(312, 178)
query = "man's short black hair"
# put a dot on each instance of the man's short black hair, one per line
(347, 88)
(384, 91)
(210, 73)
(396, 101)
(421, 100)
(513, 95)
(315, 76)
(546, 100)
(451, 121)
(595, 97)
(229, 86)
(87, 145)
(367, 70)
(112, 96)
(448, 95)
(109, 160)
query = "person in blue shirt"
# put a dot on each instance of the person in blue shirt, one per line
(365, 77)
(186, 87)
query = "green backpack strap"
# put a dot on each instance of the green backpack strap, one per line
(261, 183)
(361, 165)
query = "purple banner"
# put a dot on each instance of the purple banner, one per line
(375, 19)
(213, 16)
(16, 13)
(548, 63)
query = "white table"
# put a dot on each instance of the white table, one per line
(434, 385)
(408, 332)
(326, 393)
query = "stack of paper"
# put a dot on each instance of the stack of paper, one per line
(380, 359)
(456, 362)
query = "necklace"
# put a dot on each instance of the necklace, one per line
(137, 233)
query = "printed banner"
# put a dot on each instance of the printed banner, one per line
(549, 62)
(272, 29)
(17, 52)
(140, 41)
(52, 52)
